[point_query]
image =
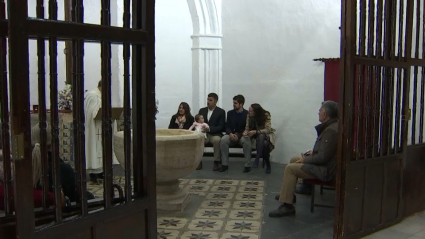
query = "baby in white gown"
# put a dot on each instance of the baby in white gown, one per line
(199, 124)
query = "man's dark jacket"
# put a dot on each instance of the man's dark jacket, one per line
(217, 120)
(322, 162)
(235, 126)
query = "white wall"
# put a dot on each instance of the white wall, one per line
(92, 59)
(173, 56)
(173, 28)
(268, 52)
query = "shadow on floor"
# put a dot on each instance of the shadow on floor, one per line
(304, 224)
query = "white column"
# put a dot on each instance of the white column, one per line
(206, 50)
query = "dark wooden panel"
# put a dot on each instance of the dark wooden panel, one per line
(7, 231)
(128, 227)
(85, 233)
(354, 200)
(392, 189)
(414, 180)
(373, 195)
(71, 227)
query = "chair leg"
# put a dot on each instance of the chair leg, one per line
(313, 191)
(321, 189)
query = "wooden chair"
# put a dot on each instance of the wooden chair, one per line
(323, 186)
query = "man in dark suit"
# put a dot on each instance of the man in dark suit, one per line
(236, 121)
(215, 117)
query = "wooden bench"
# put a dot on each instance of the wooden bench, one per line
(231, 154)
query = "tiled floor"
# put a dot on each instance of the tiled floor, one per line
(228, 209)
(411, 228)
(222, 208)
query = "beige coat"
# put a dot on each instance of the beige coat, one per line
(266, 129)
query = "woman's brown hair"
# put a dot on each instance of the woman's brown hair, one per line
(260, 114)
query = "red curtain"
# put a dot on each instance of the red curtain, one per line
(331, 91)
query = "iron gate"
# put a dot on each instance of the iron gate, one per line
(381, 50)
(133, 213)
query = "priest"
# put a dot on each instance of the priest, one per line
(93, 132)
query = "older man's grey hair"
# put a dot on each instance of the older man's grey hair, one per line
(331, 108)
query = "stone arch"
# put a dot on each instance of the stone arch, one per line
(206, 50)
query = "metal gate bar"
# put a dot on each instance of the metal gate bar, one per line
(106, 104)
(18, 29)
(5, 133)
(20, 120)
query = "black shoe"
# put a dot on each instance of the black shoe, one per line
(199, 166)
(293, 201)
(247, 169)
(282, 211)
(303, 189)
(268, 165)
(216, 166)
(223, 168)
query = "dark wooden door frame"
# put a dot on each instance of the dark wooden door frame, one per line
(68, 44)
(353, 174)
(132, 216)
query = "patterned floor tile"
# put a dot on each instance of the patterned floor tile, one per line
(230, 209)
(242, 226)
(217, 204)
(227, 182)
(198, 193)
(223, 189)
(220, 196)
(247, 205)
(235, 235)
(252, 183)
(167, 234)
(211, 213)
(205, 225)
(251, 189)
(97, 190)
(201, 181)
(171, 223)
(249, 196)
(245, 214)
(197, 188)
(200, 235)
(183, 181)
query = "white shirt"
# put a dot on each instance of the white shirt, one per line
(210, 113)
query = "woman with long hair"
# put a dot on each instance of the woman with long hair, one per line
(183, 119)
(259, 130)
(67, 174)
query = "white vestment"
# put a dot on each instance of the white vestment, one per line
(93, 132)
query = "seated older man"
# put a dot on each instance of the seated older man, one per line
(320, 163)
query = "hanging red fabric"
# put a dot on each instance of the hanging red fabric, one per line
(331, 87)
